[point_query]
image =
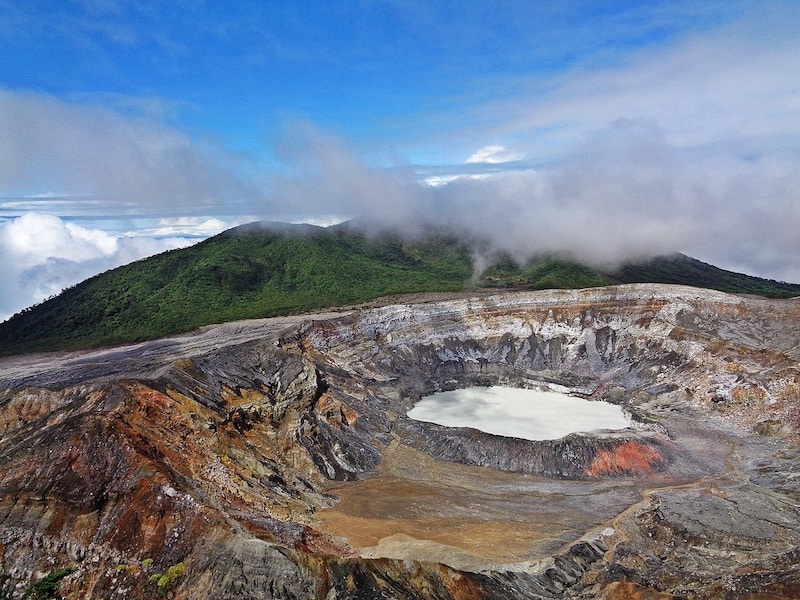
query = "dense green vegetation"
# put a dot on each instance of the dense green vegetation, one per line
(264, 270)
(542, 274)
(47, 587)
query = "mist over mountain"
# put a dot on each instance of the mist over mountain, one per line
(678, 132)
(270, 269)
(625, 193)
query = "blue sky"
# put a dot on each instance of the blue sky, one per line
(607, 130)
(376, 72)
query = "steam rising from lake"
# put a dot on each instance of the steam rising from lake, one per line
(519, 413)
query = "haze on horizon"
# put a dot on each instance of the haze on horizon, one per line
(609, 130)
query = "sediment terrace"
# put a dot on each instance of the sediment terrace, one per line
(273, 459)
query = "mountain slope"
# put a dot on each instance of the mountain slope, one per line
(263, 270)
(251, 271)
(684, 270)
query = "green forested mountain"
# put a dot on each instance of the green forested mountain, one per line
(263, 270)
(256, 270)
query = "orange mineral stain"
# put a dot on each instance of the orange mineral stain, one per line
(629, 458)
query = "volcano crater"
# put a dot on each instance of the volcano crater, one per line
(275, 458)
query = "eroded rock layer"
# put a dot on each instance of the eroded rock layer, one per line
(273, 459)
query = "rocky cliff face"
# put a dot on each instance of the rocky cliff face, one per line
(273, 459)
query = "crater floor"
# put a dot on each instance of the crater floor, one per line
(471, 518)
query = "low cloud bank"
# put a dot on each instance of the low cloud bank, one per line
(623, 194)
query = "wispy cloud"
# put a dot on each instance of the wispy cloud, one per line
(731, 85)
(125, 161)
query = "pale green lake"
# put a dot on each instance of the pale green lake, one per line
(519, 413)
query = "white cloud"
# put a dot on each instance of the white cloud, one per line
(493, 155)
(319, 221)
(52, 195)
(34, 237)
(730, 85)
(440, 180)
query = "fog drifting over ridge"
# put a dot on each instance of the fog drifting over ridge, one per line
(625, 193)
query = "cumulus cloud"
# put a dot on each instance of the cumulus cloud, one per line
(43, 254)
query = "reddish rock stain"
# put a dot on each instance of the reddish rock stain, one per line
(629, 458)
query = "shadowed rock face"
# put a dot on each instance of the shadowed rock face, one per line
(273, 459)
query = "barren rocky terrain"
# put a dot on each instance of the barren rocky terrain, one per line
(274, 458)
